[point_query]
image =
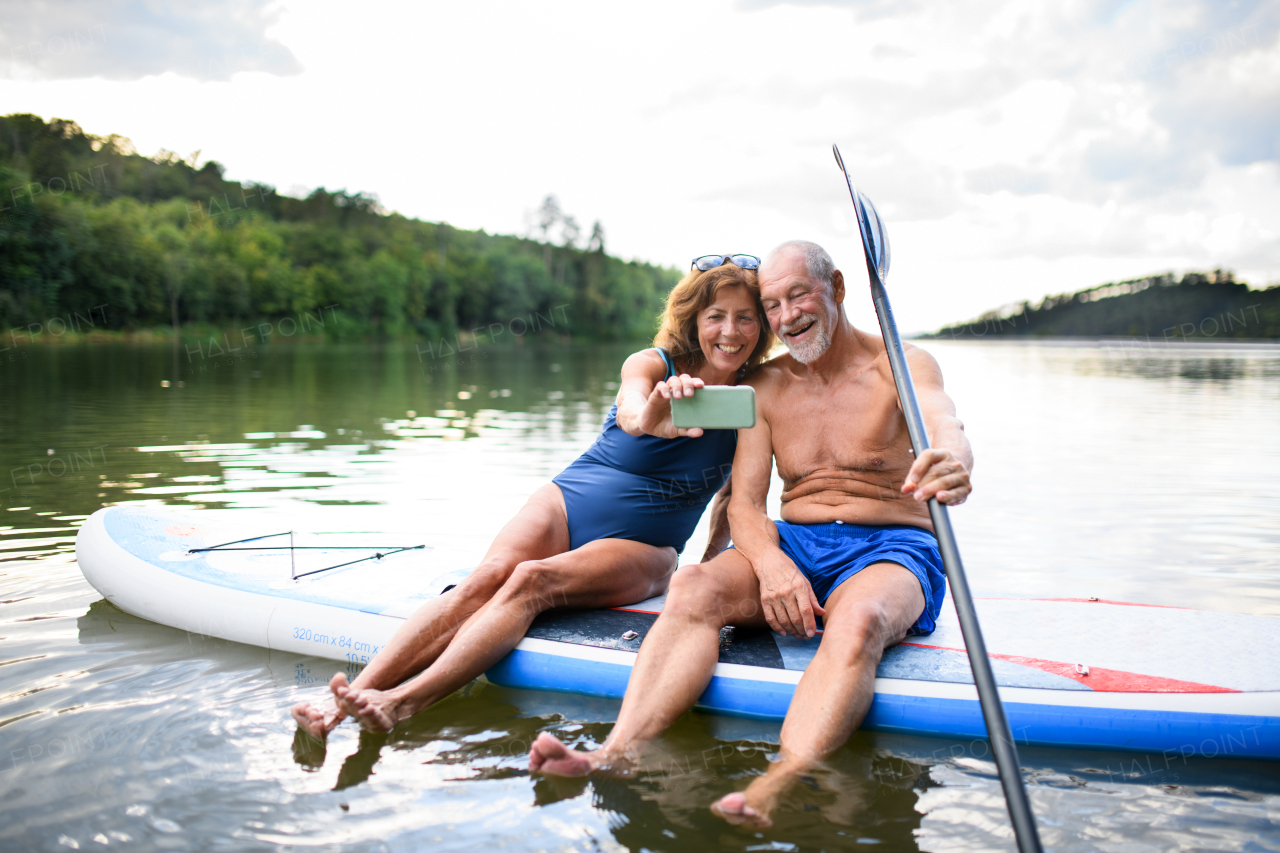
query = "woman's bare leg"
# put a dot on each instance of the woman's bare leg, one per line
(538, 531)
(604, 573)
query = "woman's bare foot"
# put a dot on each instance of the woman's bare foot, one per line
(376, 710)
(551, 757)
(735, 809)
(315, 720)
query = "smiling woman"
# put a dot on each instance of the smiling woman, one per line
(688, 328)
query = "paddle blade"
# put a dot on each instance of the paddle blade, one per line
(875, 239)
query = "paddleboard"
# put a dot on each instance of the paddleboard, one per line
(1071, 672)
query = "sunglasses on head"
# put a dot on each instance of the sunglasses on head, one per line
(710, 262)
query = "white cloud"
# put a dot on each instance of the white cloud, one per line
(129, 39)
(1014, 149)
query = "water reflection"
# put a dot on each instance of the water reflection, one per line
(1200, 368)
(1138, 475)
(1151, 360)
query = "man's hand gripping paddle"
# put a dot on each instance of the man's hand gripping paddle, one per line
(875, 244)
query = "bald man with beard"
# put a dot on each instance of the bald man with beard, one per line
(855, 545)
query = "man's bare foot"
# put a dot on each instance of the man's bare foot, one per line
(376, 710)
(551, 757)
(734, 808)
(317, 721)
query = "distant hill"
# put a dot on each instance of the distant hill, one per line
(93, 234)
(1159, 307)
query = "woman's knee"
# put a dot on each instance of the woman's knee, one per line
(534, 585)
(663, 567)
(484, 581)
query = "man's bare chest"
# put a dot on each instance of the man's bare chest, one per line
(857, 429)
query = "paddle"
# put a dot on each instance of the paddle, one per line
(875, 244)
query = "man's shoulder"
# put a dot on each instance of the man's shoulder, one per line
(769, 376)
(916, 354)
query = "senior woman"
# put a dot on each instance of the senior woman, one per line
(606, 531)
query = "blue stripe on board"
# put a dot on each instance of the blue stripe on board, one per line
(1178, 735)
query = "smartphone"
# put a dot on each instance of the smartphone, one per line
(716, 407)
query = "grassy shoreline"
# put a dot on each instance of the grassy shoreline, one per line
(254, 334)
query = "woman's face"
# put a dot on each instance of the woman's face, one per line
(729, 328)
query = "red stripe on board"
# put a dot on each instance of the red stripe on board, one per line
(1093, 601)
(1071, 600)
(1103, 680)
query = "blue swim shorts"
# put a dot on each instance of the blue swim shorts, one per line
(830, 554)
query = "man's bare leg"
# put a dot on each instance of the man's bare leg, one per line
(866, 614)
(604, 573)
(538, 531)
(674, 666)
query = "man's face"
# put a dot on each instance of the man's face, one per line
(801, 311)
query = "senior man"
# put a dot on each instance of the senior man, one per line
(855, 545)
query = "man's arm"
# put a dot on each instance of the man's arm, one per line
(785, 595)
(943, 470)
(719, 538)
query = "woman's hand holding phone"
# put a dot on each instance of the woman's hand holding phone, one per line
(655, 418)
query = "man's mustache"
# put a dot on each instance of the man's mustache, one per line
(804, 320)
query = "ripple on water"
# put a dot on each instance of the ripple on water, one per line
(966, 812)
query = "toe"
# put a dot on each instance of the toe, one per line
(733, 808)
(548, 744)
(730, 804)
(551, 757)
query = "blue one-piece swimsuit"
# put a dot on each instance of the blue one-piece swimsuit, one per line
(644, 488)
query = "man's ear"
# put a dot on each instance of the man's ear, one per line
(837, 287)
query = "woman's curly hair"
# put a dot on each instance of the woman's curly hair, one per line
(678, 333)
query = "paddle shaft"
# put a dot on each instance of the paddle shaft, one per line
(1002, 745)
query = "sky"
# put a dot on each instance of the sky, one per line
(1013, 149)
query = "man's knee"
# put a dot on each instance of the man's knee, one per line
(863, 628)
(697, 593)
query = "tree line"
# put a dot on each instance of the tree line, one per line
(89, 225)
(1200, 305)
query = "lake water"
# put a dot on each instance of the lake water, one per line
(1120, 471)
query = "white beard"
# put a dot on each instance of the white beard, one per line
(811, 349)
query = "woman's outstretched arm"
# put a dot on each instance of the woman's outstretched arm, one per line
(644, 398)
